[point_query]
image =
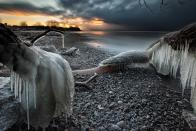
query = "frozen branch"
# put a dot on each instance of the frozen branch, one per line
(44, 33)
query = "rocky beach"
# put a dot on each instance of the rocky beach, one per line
(133, 99)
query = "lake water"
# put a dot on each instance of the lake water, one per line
(121, 41)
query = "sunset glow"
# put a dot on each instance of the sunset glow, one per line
(97, 21)
(97, 14)
(14, 17)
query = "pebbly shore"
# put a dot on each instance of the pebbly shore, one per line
(134, 99)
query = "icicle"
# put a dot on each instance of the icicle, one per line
(63, 41)
(12, 80)
(20, 90)
(168, 61)
(35, 95)
(27, 102)
(17, 85)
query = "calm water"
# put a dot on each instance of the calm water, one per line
(120, 41)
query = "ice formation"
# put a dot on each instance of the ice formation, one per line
(44, 86)
(176, 62)
(41, 80)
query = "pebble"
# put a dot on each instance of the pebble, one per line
(148, 116)
(114, 128)
(101, 128)
(96, 113)
(110, 92)
(100, 107)
(120, 102)
(121, 124)
(112, 105)
(87, 104)
(144, 100)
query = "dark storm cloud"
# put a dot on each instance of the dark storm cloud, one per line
(29, 8)
(128, 13)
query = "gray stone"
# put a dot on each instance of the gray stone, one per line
(73, 51)
(112, 105)
(120, 102)
(10, 111)
(114, 128)
(101, 128)
(121, 124)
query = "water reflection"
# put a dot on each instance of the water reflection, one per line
(95, 44)
(120, 41)
(98, 33)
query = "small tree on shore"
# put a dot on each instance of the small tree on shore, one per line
(52, 23)
(38, 24)
(23, 23)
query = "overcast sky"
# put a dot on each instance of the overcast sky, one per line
(104, 14)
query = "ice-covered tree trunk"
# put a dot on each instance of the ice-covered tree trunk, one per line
(42, 81)
(175, 54)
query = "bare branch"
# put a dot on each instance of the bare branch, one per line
(44, 33)
(140, 4)
(147, 6)
(162, 2)
(87, 81)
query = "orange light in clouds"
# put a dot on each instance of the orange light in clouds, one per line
(97, 21)
(21, 13)
(15, 17)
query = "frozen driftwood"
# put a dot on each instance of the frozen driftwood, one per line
(42, 81)
(175, 55)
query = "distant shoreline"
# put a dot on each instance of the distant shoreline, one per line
(30, 28)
